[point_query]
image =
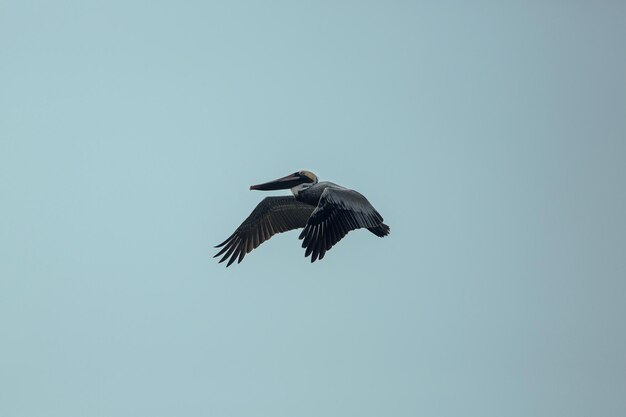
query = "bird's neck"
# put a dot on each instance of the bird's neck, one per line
(301, 187)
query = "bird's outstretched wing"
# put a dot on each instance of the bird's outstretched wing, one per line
(272, 215)
(338, 212)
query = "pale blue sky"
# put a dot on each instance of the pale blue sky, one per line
(491, 137)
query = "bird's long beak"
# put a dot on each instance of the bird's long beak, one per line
(280, 184)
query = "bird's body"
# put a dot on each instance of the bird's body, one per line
(312, 194)
(325, 210)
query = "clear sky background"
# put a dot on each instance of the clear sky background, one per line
(490, 136)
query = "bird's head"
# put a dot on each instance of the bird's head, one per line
(290, 181)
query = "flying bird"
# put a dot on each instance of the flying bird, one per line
(326, 211)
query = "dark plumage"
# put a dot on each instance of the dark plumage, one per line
(272, 215)
(338, 211)
(326, 211)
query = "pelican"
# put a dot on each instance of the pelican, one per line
(326, 211)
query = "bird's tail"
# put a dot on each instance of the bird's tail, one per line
(381, 230)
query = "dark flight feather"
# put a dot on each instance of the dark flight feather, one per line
(338, 212)
(272, 215)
